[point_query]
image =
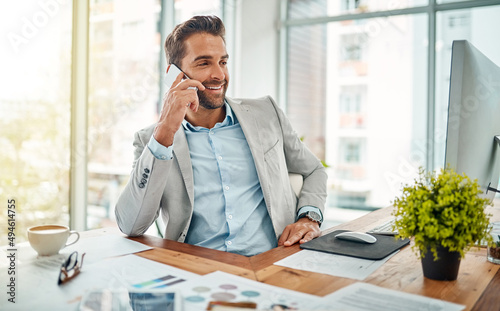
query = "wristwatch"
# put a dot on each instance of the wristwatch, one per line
(312, 215)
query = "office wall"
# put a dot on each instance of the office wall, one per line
(257, 43)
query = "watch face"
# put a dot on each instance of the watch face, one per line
(314, 216)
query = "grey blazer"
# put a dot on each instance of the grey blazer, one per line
(167, 185)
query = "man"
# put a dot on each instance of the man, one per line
(217, 167)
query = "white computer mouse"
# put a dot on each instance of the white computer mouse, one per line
(357, 237)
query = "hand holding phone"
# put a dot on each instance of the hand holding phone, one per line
(176, 103)
(173, 73)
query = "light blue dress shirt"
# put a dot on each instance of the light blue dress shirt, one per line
(230, 213)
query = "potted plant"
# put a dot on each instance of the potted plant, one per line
(446, 215)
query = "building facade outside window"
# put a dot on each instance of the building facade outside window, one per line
(358, 87)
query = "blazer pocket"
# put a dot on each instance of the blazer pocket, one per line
(275, 145)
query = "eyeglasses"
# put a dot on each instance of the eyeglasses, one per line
(70, 268)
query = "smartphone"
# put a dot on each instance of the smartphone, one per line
(172, 74)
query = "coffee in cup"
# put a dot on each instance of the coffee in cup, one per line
(49, 239)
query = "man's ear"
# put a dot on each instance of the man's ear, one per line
(168, 67)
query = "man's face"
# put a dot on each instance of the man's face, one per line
(206, 61)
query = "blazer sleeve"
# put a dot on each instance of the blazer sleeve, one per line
(300, 160)
(139, 203)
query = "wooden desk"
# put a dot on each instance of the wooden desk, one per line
(477, 286)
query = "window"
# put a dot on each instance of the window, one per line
(35, 109)
(351, 46)
(125, 49)
(349, 5)
(351, 152)
(352, 110)
(358, 87)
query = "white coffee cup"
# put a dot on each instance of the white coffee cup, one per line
(50, 239)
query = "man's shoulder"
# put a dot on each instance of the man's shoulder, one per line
(145, 134)
(265, 104)
(264, 100)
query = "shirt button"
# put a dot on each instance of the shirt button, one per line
(226, 187)
(230, 217)
(229, 242)
(211, 132)
(219, 157)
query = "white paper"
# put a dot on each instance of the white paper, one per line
(362, 296)
(105, 246)
(222, 286)
(332, 264)
(38, 290)
(96, 249)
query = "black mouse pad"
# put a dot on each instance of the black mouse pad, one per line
(384, 246)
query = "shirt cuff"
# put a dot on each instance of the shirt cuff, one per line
(307, 208)
(158, 150)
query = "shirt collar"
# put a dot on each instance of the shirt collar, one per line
(228, 121)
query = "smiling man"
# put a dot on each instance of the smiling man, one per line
(216, 168)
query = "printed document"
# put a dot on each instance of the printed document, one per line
(332, 264)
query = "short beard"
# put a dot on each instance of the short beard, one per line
(211, 103)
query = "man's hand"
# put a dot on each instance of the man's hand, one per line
(179, 98)
(302, 231)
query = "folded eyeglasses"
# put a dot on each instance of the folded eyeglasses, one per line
(70, 268)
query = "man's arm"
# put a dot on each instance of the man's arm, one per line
(301, 160)
(139, 203)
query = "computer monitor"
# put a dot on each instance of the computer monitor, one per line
(473, 131)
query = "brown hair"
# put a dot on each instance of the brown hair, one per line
(174, 44)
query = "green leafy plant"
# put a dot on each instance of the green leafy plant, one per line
(442, 209)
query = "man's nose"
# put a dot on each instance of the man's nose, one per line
(218, 73)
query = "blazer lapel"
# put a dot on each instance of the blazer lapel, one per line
(181, 154)
(250, 128)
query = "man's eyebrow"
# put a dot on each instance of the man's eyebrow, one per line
(209, 57)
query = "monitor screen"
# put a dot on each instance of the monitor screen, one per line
(472, 145)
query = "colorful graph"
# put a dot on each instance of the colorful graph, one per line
(223, 287)
(165, 281)
(230, 293)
